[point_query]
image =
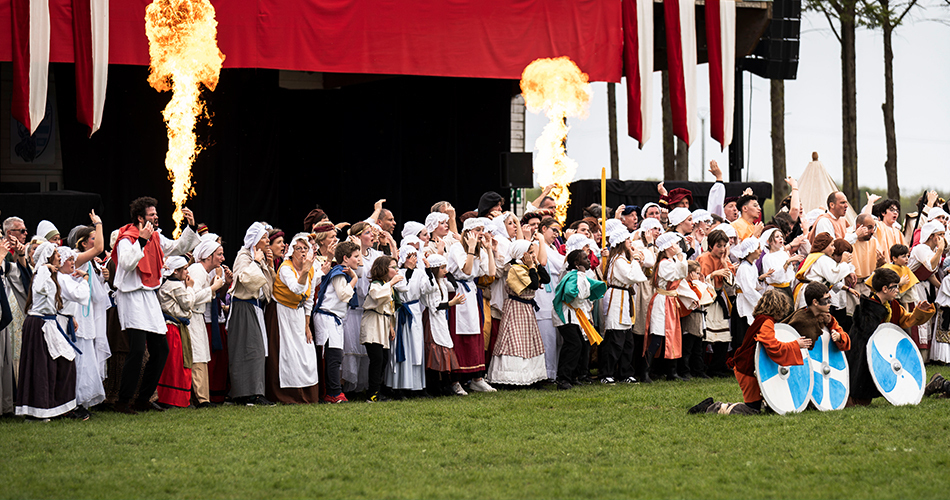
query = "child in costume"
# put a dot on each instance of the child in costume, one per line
(573, 300)
(880, 307)
(377, 327)
(177, 298)
(440, 358)
(693, 293)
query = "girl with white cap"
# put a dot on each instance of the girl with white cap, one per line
(407, 365)
(474, 257)
(177, 298)
(777, 260)
(518, 356)
(924, 261)
(645, 243)
(663, 311)
(46, 386)
(749, 284)
(616, 352)
(440, 358)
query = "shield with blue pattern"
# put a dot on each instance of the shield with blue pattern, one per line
(785, 388)
(829, 368)
(896, 365)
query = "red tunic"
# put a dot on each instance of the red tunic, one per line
(783, 353)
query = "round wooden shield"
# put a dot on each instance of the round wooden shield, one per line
(896, 365)
(785, 388)
(829, 368)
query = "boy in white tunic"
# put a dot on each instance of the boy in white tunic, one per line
(337, 290)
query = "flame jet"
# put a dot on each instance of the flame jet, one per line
(184, 54)
(559, 88)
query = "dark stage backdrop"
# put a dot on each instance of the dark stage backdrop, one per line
(273, 154)
(585, 192)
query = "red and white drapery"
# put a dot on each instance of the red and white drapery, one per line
(638, 67)
(31, 56)
(30, 47)
(721, 47)
(680, 19)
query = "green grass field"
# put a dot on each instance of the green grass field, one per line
(592, 442)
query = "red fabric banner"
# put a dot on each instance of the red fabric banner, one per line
(638, 66)
(463, 38)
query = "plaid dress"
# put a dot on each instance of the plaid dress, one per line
(518, 334)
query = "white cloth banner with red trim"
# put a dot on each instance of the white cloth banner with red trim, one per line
(91, 46)
(30, 30)
(680, 19)
(721, 47)
(638, 66)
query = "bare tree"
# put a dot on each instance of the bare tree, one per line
(777, 98)
(669, 153)
(682, 161)
(845, 13)
(612, 130)
(887, 16)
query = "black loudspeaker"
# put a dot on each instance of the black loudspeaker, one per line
(517, 170)
(776, 55)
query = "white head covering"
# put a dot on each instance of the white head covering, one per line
(436, 260)
(729, 230)
(929, 229)
(112, 237)
(619, 236)
(764, 239)
(412, 228)
(304, 237)
(497, 225)
(937, 212)
(517, 249)
(473, 223)
(643, 211)
(748, 245)
(65, 253)
(214, 237)
(405, 252)
(204, 250)
(578, 241)
(43, 252)
(701, 215)
(434, 219)
(812, 216)
(614, 225)
(46, 229)
(678, 215)
(410, 240)
(666, 240)
(254, 234)
(173, 264)
(650, 223)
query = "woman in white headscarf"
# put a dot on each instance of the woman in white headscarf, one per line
(440, 237)
(407, 367)
(177, 298)
(247, 344)
(209, 339)
(518, 357)
(46, 386)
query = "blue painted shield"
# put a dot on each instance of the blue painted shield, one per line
(829, 368)
(896, 365)
(785, 388)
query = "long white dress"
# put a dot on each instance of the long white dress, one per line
(297, 366)
(545, 299)
(91, 333)
(410, 373)
(89, 388)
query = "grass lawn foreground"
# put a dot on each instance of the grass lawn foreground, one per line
(591, 442)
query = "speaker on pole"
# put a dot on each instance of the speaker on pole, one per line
(517, 170)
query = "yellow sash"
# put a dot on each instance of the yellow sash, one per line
(592, 336)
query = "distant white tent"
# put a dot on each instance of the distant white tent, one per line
(815, 185)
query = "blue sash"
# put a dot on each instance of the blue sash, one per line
(176, 319)
(530, 302)
(404, 319)
(69, 334)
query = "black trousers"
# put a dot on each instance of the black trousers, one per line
(571, 346)
(739, 326)
(333, 359)
(720, 352)
(158, 353)
(639, 363)
(377, 361)
(692, 360)
(615, 354)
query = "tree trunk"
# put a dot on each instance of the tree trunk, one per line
(849, 106)
(890, 134)
(682, 160)
(777, 97)
(669, 170)
(612, 130)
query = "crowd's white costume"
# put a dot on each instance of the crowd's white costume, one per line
(668, 271)
(410, 374)
(545, 299)
(466, 314)
(355, 366)
(89, 389)
(298, 358)
(832, 274)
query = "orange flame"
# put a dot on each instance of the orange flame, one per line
(559, 88)
(183, 47)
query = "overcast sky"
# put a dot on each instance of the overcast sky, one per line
(813, 112)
